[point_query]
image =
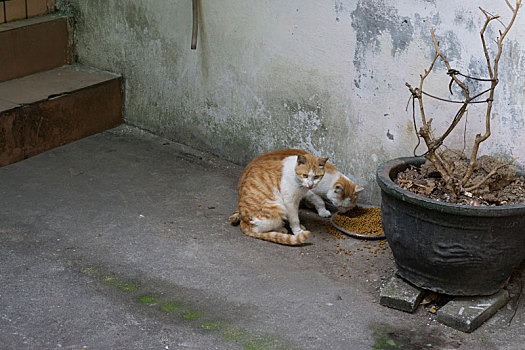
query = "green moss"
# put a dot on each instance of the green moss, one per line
(211, 325)
(384, 339)
(89, 271)
(169, 306)
(265, 342)
(234, 333)
(148, 299)
(126, 287)
(191, 315)
(249, 340)
(115, 282)
(254, 345)
(385, 342)
(110, 280)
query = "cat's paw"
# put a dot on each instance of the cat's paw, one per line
(298, 230)
(324, 213)
(235, 218)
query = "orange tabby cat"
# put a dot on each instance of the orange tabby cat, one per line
(335, 188)
(270, 190)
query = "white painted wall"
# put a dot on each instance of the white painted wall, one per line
(326, 76)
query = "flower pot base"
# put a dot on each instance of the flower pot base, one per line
(448, 248)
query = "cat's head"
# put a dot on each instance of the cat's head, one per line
(343, 194)
(309, 170)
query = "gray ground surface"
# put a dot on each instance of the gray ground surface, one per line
(122, 241)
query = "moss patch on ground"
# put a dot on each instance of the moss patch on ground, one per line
(250, 340)
(148, 299)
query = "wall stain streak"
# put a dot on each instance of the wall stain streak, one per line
(370, 19)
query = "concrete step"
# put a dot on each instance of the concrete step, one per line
(49, 109)
(35, 45)
(12, 10)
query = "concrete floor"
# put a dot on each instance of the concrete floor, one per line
(122, 241)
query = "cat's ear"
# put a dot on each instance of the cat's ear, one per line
(322, 162)
(301, 159)
(358, 189)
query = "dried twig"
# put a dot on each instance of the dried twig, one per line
(426, 189)
(492, 172)
(441, 162)
(463, 108)
(493, 72)
(454, 101)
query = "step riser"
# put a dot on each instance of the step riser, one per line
(28, 130)
(38, 46)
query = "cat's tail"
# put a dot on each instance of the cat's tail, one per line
(235, 218)
(275, 236)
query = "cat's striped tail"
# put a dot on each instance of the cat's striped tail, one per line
(274, 236)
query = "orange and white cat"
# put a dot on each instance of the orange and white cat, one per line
(270, 189)
(334, 188)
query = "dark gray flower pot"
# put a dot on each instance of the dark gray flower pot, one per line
(448, 248)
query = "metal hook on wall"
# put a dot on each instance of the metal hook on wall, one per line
(195, 25)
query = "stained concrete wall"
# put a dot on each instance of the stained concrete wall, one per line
(325, 76)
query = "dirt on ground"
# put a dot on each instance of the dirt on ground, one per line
(505, 187)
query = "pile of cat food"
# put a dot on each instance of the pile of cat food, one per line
(360, 222)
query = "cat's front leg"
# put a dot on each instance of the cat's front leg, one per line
(318, 203)
(292, 212)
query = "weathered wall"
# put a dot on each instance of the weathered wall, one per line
(326, 76)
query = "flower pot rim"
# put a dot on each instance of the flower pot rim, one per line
(383, 177)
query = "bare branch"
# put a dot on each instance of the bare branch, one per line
(434, 144)
(454, 101)
(509, 5)
(505, 32)
(409, 99)
(494, 76)
(463, 108)
(416, 93)
(445, 60)
(496, 17)
(423, 77)
(482, 34)
(489, 175)
(487, 15)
